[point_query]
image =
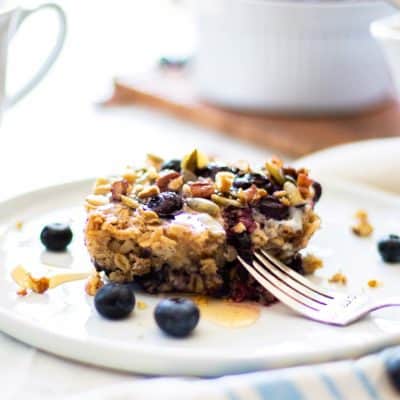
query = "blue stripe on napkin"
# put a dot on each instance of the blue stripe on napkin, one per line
(331, 386)
(366, 383)
(281, 389)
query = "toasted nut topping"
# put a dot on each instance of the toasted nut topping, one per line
(293, 193)
(163, 180)
(362, 228)
(154, 161)
(242, 165)
(118, 188)
(175, 184)
(239, 227)
(203, 205)
(93, 284)
(102, 189)
(151, 217)
(373, 283)
(285, 201)
(280, 193)
(149, 191)
(194, 160)
(223, 181)
(225, 202)
(201, 189)
(338, 278)
(304, 183)
(311, 263)
(97, 200)
(128, 201)
(101, 181)
(129, 175)
(275, 171)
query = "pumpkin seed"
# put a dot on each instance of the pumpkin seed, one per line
(203, 205)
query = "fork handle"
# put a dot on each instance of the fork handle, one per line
(388, 302)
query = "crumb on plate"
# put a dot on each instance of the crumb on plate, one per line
(373, 283)
(311, 263)
(363, 227)
(19, 225)
(141, 305)
(338, 277)
(93, 284)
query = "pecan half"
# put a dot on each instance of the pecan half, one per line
(163, 181)
(119, 188)
(202, 189)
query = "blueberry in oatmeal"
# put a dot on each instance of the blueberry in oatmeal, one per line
(173, 164)
(389, 248)
(179, 228)
(56, 236)
(165, 204)
(114, 301)
(177, 316)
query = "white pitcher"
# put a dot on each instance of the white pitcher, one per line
(11, 17)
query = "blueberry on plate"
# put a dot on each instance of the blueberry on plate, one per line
(56, 236)
(389, 248)
(115, 301)
(392, 364)
(177, 316)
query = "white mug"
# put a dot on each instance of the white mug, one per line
(11, 18)
(290, 56)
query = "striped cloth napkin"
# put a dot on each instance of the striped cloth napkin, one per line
(366, 378)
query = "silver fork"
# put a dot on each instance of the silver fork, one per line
(313, 302)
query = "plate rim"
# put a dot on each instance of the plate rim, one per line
(208, 363)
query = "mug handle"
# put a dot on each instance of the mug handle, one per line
(51, 58)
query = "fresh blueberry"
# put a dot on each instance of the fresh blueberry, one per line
(271, 207)
(392, 364)
(177, 317)
(212, 169)
(389, 248)
(173, 164)
(56, 236)
(165, 204)
(114, 301)
(317, 191)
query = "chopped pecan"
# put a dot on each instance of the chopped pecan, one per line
(304, 183)
(163, 180)
(119, 188)
(202, 189)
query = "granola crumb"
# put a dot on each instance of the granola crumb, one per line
(22, 292)
(93, 284)
(338, 278)
(363, 227)
(141, 305)
(19, 225)
(311, 263)
(374, 283)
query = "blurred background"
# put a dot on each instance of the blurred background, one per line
(58, 132)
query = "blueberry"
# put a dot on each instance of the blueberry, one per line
(173, 164)
(212, 169)
(271, 207)
(317, 191)
(114, 301)
(165, 204)
(245, 181)
(392, 364)
(177, 317)
(56, 236)
(389, 248)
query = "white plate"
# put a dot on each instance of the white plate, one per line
(63, 321)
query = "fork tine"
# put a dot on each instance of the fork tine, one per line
(297, 277)
(296, 295)
(288, 280)
(282, 296)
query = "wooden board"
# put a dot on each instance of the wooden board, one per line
(170, 91)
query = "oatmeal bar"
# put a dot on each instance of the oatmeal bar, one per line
(178, 226)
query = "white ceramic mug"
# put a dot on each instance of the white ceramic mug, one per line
(290, 55)
(387, 32)
(11, 18)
